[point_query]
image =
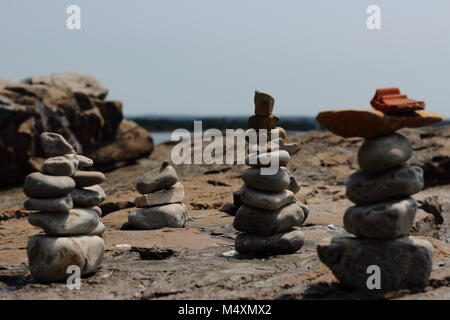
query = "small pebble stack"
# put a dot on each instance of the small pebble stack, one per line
(67, 214)
(267, 209)
(384, 211)
(161, 204)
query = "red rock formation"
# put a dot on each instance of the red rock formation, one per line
(390, 101)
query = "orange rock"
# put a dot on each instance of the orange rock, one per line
(390, 101)
(367, 123)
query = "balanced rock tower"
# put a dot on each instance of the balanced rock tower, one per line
(160, 204)
(66, 203)
(381, 189)
(268, 212)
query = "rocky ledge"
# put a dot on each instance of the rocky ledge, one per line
(70, 104)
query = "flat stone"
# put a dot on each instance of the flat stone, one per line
(364, 188)
(98, 210)
(55, 145)
(60, 166)
(62, 204)
(384, 153)
(38, 185)
(272, 183)
(171, 194)
(281, 243)
(88, 196)
(266, 159)
(75, 222)
(99, 230)
(265, 200)
(84, 162)
(264, 222)
(169, 215)
(381, 220)
(157, 179)
(404, 262)
(263, 122)
(264, 103)
(49, 257)
(88, 178)
(367, 123)
(390, 101)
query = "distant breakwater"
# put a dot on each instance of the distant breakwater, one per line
(167, 123)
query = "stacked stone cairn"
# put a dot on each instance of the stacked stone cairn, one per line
(384, 210)
(160, 204)
(66, 202)
(268, 212)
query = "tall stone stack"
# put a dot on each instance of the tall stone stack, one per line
(71, 223)
(381, 189)
(160, 204)
(268, 212)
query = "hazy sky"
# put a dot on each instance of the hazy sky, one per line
(208, 56)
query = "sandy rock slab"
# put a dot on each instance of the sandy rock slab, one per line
(404, 262)
(368, 123)
(50, 257)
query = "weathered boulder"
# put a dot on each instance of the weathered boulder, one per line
(72, 105)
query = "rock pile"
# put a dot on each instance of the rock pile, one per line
(161, 202)
(72, 105)
(66, 201)
(268, 211)
(384, 211)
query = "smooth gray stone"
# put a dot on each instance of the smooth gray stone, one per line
(49, 257)
(171, 194)
(260, 160)
(272, 183)
(99, 230)
(265, 222)
(38, 185)
(237, 198)
(169, 215)
(75, 222)
(364, 188)
(381, 220)
(157, 179)
(384, 153)
(265, 200)
(97, 209)
(62, 204)
(88, 178)
(60, 166)
(84, 162)
(55, 145)
(404, 262)
(88, 196)
(281, 243)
